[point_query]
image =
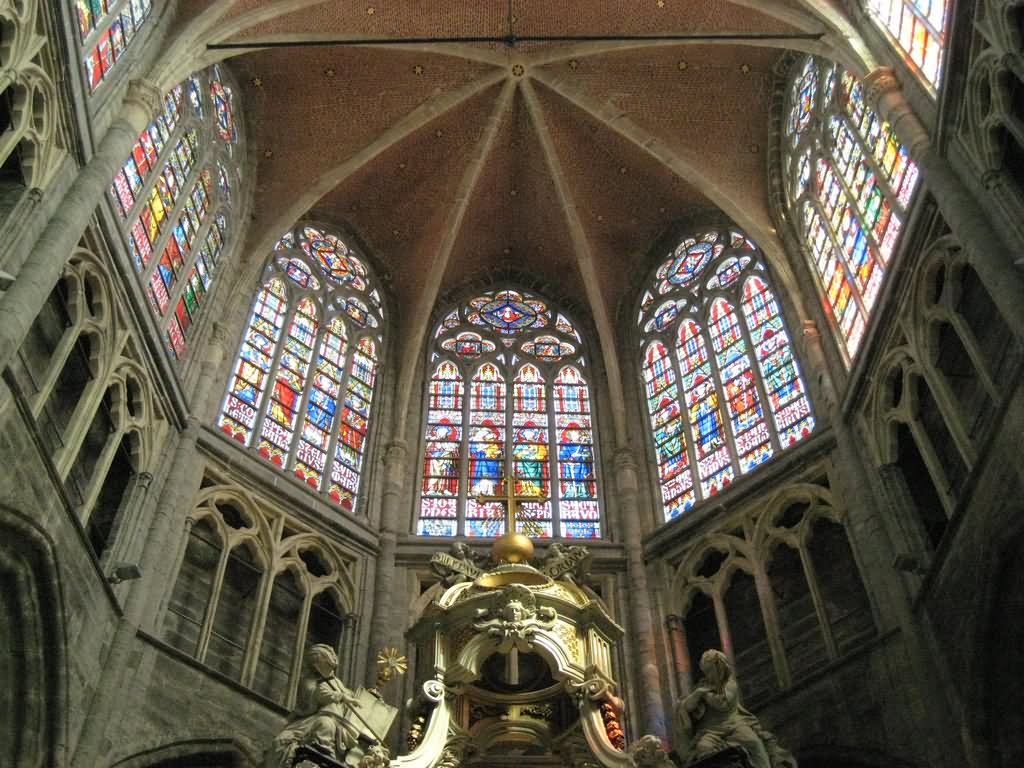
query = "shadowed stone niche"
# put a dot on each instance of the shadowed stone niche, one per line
(31, 647)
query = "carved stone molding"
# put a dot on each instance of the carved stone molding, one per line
(396, 453)
(141, 102)
(877, 82)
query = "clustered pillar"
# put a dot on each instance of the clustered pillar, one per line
(641, 624)
(382, 624)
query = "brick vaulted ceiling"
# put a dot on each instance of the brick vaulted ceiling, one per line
(565, 161)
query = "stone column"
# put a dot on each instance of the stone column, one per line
(37, 277)
(382, 625)
(349, 637)
(680, 653)
(990, 256)
(645, 664)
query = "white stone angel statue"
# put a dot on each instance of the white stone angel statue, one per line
(322, 715)
(712, 719)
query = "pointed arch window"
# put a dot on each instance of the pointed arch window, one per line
(303, 385)
(723, 389)
(508, 399)
(106, 28)
(173, 200)
(849, 185)
(917, 28)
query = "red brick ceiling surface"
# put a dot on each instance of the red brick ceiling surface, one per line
(394, 133)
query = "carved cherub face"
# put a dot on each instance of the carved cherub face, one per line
(513, 611)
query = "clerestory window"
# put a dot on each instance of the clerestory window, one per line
(723, 389)
(304, 382)
(174, 198)
(849, 185)
(508, 396)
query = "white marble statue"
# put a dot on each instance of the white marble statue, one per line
(322, 714)
(712, 719)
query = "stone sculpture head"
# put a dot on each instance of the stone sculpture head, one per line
(323, 659)
(715, 666)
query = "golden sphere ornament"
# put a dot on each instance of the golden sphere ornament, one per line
(512, 548)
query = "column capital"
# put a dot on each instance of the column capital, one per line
(674, 622)
(219, 334)
(877, 82)
(625, 458)
(144, 479)
(810, 330)
(141, 103)
(396, 452)
(884, 95)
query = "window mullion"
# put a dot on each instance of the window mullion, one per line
(467, 394)
(917, 15)
(767, 414)
(685, 427)
(275, 363)
(841, 259)
(339, 407)
(554, 481)
(510, 473)
(206, 630)
(881, 177)
(723, 403)
(307, 389)
(113, 14)
(164, 236)
(853, 201)
(174, 295)
(157, 166)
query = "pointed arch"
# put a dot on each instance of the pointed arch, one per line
(528, 417)
(740, 395)
(706, 404)
(314, 421)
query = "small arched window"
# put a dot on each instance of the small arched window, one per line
(917, 28)
(106, 28)
(507, 396)
(849, 183)
(304, 382)
(723, 389)
(173, 197)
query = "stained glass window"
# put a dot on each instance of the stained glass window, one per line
(507, 397)
(355, 418)
(918, 29)
(173, 199)
(304, 383)
(106, 28)
(439, 493)
(849, 185)
(222, 97)
(723, 389)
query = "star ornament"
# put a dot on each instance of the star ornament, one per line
(390, 664)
